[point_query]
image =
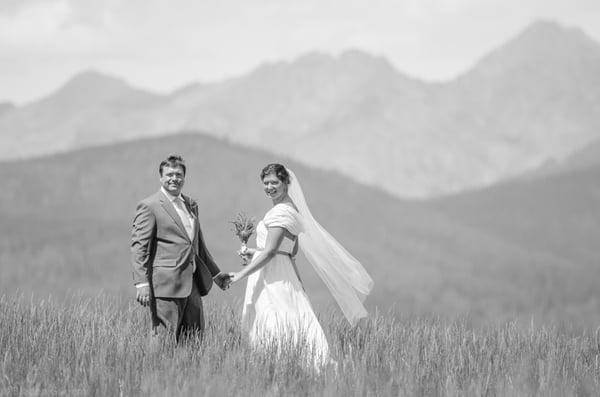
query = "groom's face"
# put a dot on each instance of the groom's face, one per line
(172, 179)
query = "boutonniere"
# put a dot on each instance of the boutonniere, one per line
(194, 207)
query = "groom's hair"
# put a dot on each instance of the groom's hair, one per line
(173, 161)
(278, 170)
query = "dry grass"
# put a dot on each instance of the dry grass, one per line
(100, 346)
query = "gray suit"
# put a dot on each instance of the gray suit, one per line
(163, 255)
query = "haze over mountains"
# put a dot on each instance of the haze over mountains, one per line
(534, 100)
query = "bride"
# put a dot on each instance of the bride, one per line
(276, 307)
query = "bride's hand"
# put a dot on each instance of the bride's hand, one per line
(246, 255)
(247, 251)
(234, 277)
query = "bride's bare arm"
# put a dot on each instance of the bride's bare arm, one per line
(262, 257)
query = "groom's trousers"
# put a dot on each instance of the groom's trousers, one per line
(181, 315)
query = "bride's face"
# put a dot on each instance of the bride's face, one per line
(274, 188)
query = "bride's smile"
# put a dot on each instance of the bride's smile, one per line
(274, 188)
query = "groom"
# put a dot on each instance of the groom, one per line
(172, 268)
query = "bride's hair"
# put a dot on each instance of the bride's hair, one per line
(278, 170)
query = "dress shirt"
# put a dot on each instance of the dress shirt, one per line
(179, 205)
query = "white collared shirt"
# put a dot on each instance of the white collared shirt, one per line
(181, 210)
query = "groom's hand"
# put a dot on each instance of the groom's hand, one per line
(223, 281)
(143, 295)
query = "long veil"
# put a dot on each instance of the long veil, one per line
(344, 276)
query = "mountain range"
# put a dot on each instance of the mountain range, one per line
(520, 249)
(533, 101)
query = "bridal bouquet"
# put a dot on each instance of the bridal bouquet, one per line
(244, 226)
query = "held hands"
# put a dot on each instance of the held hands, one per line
(226, 280)
(223, 280)
(235, 277)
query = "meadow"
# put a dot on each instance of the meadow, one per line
(487, 293)
(100, 346)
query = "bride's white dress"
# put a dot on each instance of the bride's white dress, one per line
(276, 307)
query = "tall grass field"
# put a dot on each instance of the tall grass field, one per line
(101, 347)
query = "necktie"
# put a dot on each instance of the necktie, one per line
(185, 217)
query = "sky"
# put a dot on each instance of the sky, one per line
(161, 45)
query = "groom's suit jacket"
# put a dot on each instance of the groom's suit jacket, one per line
(163, 254)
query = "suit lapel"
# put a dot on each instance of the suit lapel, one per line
(168, 206)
